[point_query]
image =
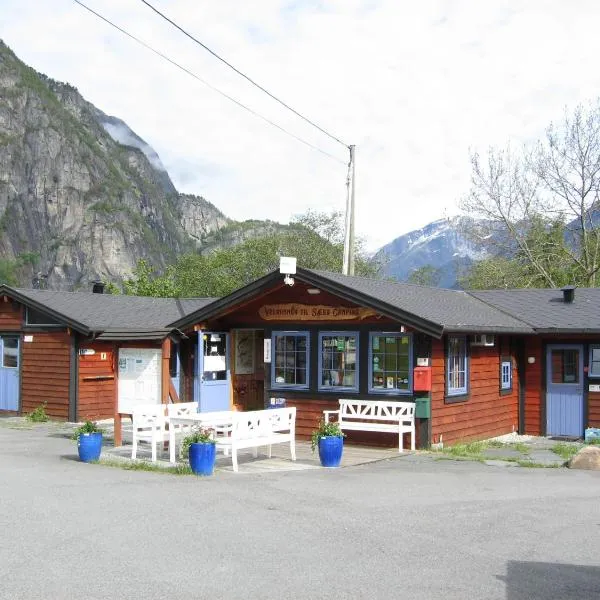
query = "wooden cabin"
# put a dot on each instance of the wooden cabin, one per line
(76, 353)
(477, 364)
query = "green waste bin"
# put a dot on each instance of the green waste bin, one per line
(423, 408)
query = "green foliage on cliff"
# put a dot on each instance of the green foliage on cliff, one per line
(314, 238)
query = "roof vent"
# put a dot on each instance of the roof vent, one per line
(98, 287)
(568, 293)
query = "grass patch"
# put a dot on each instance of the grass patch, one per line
(140, 465)
(536, 465)
(470, 450)
(593, 442)
(565, 451)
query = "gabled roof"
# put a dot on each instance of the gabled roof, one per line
(545, 309)
(431, 310)
(87, 312)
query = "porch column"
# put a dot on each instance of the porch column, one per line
(165, 372)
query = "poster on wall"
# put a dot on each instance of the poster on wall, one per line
(244, 352)
(139, 378)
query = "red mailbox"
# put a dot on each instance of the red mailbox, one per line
(422, 379)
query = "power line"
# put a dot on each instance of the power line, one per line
(246, 77)
(212, 87)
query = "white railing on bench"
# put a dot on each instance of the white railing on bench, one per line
(386, 416)
(257, 428)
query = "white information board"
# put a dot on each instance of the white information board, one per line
(139, 378)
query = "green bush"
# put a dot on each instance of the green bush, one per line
(87, 427)
(38, 415)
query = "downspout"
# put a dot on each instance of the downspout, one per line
(73, 379)
(521, 366)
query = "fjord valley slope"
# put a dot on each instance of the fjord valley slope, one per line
(82, 196)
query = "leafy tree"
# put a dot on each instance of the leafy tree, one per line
(426, 275)
(8, 271)
(539, 206)
(314, 238)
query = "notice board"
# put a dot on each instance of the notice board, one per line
(139, 378)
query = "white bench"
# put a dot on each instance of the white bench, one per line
(377, 415)
(257, 428)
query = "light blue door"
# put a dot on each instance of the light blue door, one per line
(9, 372)
(213, 371)
(564, 390)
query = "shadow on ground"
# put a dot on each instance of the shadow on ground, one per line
(550, 581)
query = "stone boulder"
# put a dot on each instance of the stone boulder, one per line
(587, 458)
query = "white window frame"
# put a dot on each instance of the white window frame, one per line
(452, 391)
(506, 375)
(591, 372)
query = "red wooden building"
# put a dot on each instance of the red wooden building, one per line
(476, 364)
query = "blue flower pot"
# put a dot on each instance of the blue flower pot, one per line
(202, 458)
(89, 446)
(330, 450)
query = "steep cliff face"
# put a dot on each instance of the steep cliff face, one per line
(81, 195)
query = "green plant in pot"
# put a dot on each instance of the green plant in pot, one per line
(199, 445)
(89, 441)
(329, 439)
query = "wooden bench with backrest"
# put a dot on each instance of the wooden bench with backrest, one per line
(386, 416)
(257, 428)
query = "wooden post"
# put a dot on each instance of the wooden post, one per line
(165, 373)
(117, 425)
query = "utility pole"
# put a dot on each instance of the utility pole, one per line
(348, 267)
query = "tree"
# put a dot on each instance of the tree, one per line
(314, 238)
(538, 208)
(426, 275)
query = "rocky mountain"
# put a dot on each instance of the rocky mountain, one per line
(441, 244)
(81, 195)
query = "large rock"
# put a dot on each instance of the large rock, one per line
(587, 458)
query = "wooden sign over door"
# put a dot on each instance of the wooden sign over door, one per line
(313, 312)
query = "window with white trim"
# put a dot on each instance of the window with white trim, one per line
(390, 363)
(506, 374)
(456, 366)
(290, 365)
(338, 360)
(594, 366)
(10, 352)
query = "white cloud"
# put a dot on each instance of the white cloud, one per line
(413, 84)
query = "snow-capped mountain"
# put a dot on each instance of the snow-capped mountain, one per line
(441, 244)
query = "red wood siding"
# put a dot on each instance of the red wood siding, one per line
(594, 409)
(45, 373)
(533, 386)
(11, 316)
(486, 412)
(96, 383)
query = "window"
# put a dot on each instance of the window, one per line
(456, 366)
(10, 352)
(506, 374)
(290, 359)
(565, 365)
(35, 317)
(338, 361)
(390, 363)
(594, 370)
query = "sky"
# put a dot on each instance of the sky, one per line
(416, 85)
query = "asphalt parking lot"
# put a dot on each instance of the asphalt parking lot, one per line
(409, 527)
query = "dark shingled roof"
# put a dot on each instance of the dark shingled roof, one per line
(454, 310)
(99, 312)
(546, 311)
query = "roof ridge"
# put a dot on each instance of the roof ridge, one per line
(505, 312)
